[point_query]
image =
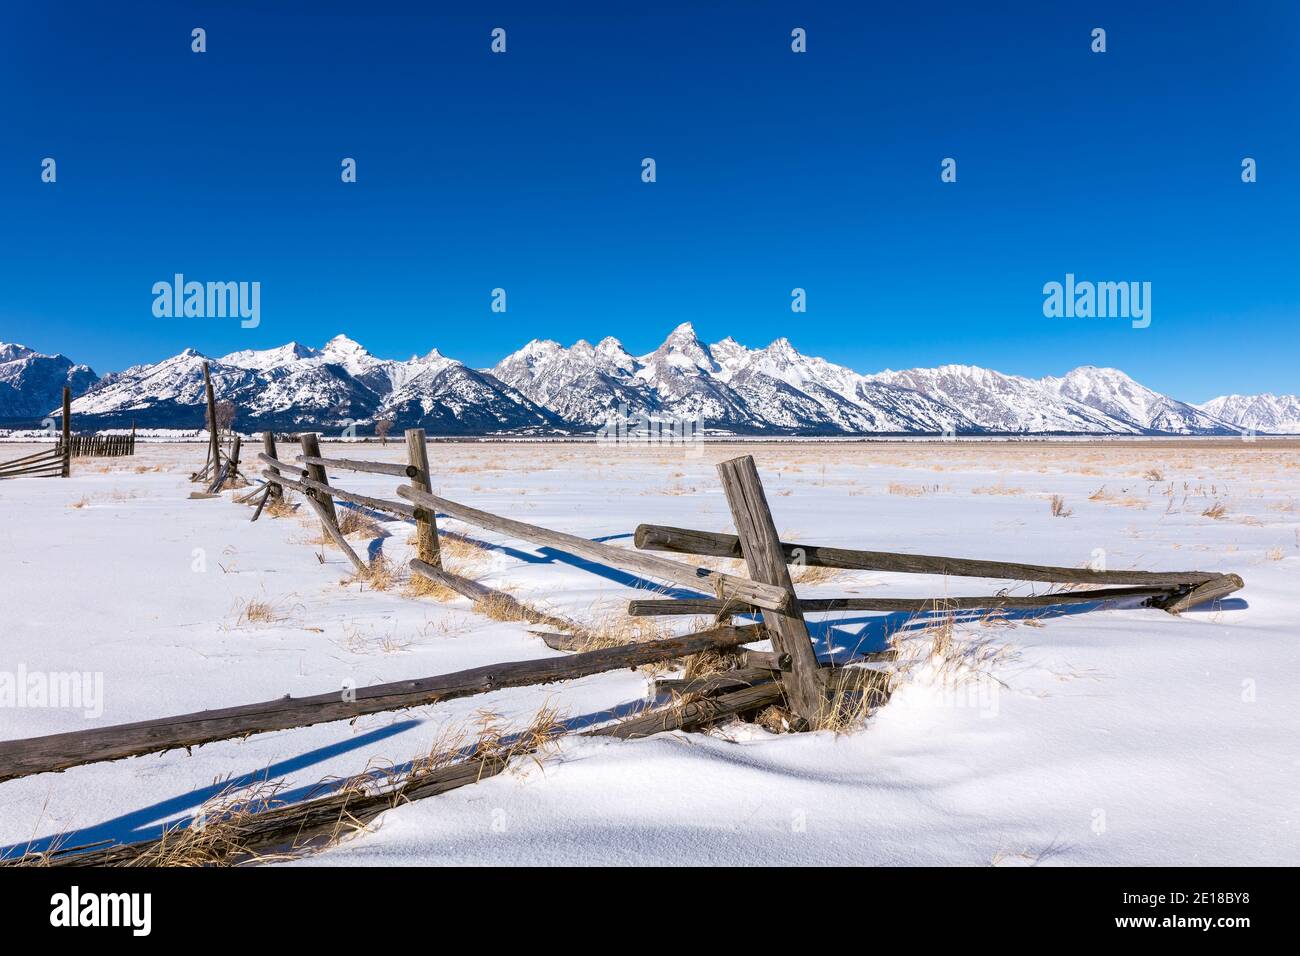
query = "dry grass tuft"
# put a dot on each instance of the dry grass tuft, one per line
(1153, 474)
(1058, 507)
(618, 629)
(380, 576)
(259, 612)
(998, 489)
(813, 574)
(352, 521)
(1216, 511)
(848, 710)
(911, 491)
(219, 833)
(281, 507)
(418, 586)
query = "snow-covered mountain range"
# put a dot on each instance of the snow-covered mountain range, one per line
(31, 383)
(546, 388)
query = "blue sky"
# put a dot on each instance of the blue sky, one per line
(775, 171)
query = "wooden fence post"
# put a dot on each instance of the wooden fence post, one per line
(214, 443)
(233, 473)
(426, 522)
(310, 442)
(268, 446)
(766, 562)
(67, 432)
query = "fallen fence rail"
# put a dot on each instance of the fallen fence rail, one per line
(689, 606)
(325, 818)
(20, 758)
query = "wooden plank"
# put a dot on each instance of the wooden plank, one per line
(426, 520)
(762, 552)
(371, 467)
(687, 541)
(482, 593)
(20, 758)
(725, 585)
(710, 606)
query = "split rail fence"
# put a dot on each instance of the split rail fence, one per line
(790, 674)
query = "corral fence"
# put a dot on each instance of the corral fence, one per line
(101, 446)
(790, 675)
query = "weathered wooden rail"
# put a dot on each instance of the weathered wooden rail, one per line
(20, 758)
(284, 829)
(1173, 591)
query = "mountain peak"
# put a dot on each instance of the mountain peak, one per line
(685, 332)
(12, 350)
(342, 345)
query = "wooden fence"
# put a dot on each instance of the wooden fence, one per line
(51, 463)
(790, 673)
(101, 446)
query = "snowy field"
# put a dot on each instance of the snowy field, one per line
(1106, 735)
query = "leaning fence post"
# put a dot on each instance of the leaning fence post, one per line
(67, 432)
(766, 562)
(426, 522)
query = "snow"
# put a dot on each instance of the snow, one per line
(1103, 736)
(545, 385)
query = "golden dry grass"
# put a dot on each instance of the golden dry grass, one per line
(355, 522)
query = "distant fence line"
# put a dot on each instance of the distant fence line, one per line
(100, 446)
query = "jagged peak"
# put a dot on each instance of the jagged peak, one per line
(10, 351)
(342, 345)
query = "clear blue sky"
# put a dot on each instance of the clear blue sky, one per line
(775, 170)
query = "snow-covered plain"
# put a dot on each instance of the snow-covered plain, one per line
(1103, 736)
